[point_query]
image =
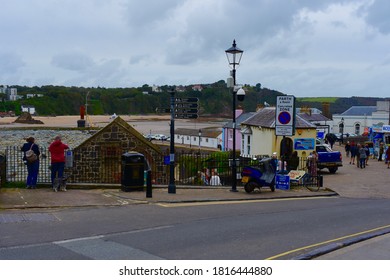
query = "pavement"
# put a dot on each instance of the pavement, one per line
(44, 197)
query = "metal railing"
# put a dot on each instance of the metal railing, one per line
(191, 168)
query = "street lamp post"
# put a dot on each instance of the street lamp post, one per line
(172, 186)
(200, 135)
(234, 55)
(342, 130)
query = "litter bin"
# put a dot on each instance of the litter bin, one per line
(133, 167)
(81, 123)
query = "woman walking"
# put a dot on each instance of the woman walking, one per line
(32, 162)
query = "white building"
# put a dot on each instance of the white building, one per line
(12, 93)
(202, 138)
(358, 119)
(28, 109)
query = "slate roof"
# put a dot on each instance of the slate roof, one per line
(360, 111)
(211, 132)
(314, 117)
(266, 118)
(241, 118)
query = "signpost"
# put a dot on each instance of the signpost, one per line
(184, 108)
(285, 115)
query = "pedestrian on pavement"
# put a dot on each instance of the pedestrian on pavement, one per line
(347, 148)
(362, 157)
(367, 149)
(57, 151)
(293, 161)
(388, 157)
(31, 162)
(353, 153)
(381, 151)
(312, 164)
(358, 155)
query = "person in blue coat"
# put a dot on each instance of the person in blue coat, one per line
(32, 167)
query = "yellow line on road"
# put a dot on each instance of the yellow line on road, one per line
(190, 204)
(326, 242)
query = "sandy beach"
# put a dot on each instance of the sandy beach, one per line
(154, 124)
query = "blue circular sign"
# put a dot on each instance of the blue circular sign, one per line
(284, 117)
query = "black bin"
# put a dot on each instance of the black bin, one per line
(81, 123)
(133, 167)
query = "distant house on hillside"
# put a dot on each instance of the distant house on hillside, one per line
(197, 88)
(28, 109)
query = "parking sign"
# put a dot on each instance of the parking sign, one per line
(285, 115)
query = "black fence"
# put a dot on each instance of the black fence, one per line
(190, 168)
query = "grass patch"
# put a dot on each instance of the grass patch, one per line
(15, 185)
(318, 99)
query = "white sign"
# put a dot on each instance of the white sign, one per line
(386, 128)
(284, 130)
(284, 118)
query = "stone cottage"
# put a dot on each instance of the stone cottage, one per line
(98, 159)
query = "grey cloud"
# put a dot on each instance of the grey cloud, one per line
(72, 61)
(378, 15)
(11, 62)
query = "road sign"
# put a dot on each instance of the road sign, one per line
(185, 111)
(284, 118)
(186, 116)
(186, 105)
(187, 100)
(285, 115)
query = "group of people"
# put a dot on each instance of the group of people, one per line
(362, 154)
(210, 180)
(57, 152)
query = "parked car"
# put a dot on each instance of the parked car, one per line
(161, 137)
(150, 137)
(327, 158)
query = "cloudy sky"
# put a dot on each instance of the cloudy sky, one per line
(299, 47)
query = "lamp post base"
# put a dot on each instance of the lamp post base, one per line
(171, 188)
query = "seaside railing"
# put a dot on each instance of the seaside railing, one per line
(190, 168)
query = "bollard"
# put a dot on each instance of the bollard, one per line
(149, 183)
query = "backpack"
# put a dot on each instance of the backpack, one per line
(30, 155)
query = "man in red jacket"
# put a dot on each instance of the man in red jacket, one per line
(57, 152)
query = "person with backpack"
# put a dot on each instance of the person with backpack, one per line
(31, 159)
